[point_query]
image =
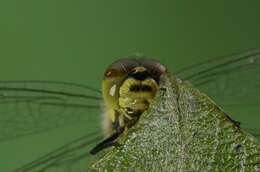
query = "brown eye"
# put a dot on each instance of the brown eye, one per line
(123, 67)
(110, 73)
(120, 67)
(154, 66)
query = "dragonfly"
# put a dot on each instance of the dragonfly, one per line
(34, 107)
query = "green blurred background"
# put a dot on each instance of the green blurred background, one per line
(75, 41)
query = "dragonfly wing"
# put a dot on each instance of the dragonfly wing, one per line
(31, 107)
(231, 81)
(73, 156)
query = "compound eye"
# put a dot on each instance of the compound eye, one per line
(111, 72)
(120, 68)
(155, 68)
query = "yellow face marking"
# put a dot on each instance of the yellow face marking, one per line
(137, 100)
(139, 69)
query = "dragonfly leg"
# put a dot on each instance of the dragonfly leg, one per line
(108, 142)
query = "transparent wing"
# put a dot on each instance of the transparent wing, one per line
(71, 157)
(232, 81)
(31, 107)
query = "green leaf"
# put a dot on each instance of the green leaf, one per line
(183, 130)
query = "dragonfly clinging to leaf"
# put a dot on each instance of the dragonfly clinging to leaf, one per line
(31, 107)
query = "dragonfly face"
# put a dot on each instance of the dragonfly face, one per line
(129, 87)
(32, 107)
